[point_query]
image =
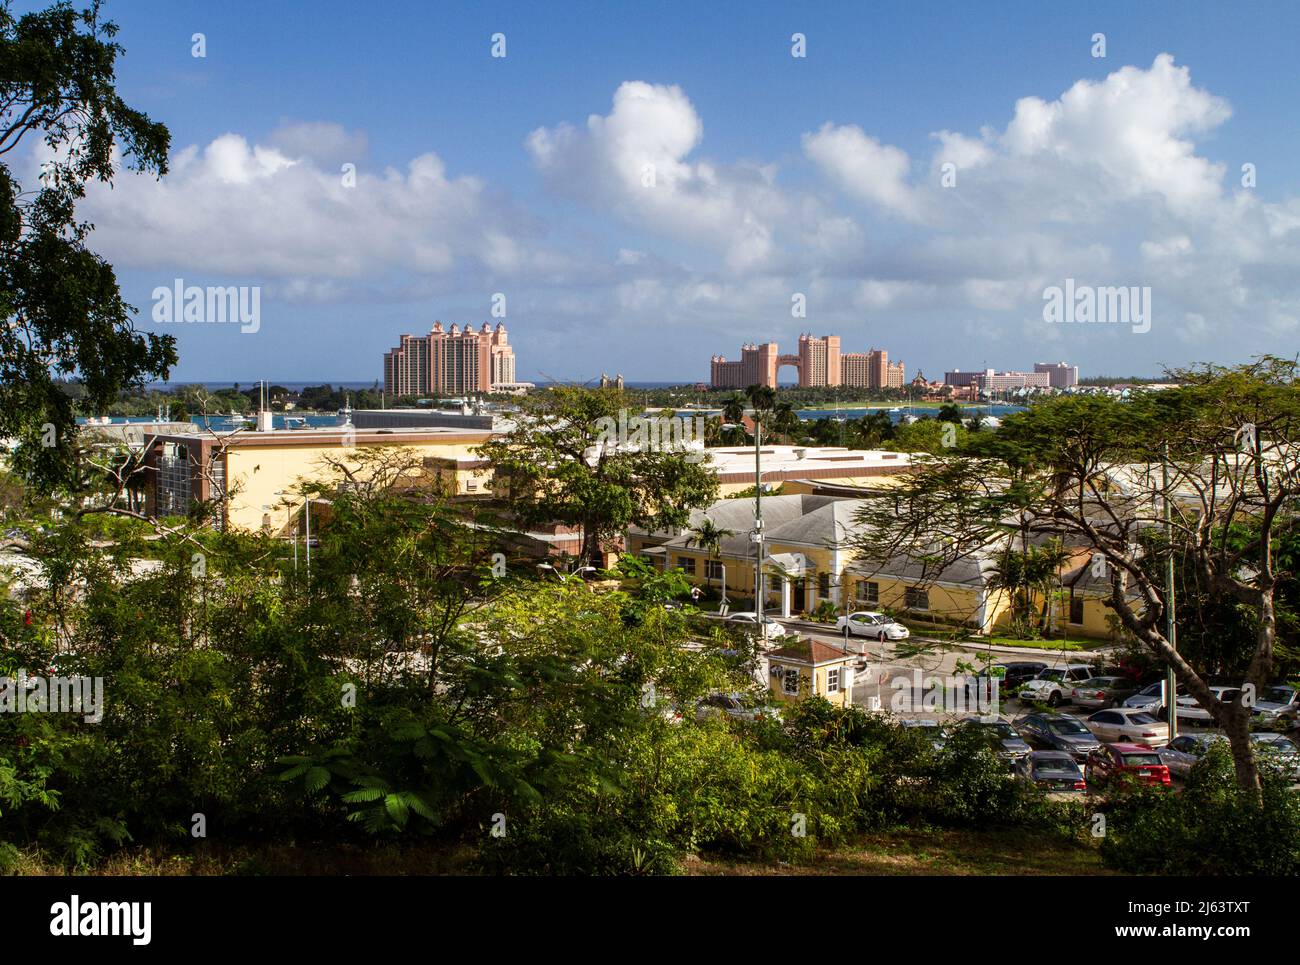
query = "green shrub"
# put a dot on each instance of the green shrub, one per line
(1212, 828)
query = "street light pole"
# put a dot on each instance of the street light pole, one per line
(1171, 628)
(307, 511)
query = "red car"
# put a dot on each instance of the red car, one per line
(1139, 763)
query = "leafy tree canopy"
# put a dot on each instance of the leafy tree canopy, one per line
(63, 315)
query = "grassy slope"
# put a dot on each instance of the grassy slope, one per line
(898, 853)
(932, 853)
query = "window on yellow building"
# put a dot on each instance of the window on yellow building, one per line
(713, 569)
(868, 592)
(917, 598)
(833, 681)
(686, 564)
(790, 681)
(1076, 609)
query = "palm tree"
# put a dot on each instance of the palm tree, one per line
(1022, 573)
(709, 536)
(785, 421)
(733, 410)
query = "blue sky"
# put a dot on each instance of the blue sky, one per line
(774, 175)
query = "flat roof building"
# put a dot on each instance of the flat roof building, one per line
(247, 474)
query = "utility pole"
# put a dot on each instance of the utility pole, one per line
(758, 522)
(1171, 628)
(307, 510)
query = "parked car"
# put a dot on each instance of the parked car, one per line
(1136, 762)
(1054, 771)
(1103, 691)
(748, 619)
(937, 736)
(1002, 737)
(1182, 753)
(1058, 732)
(1128, 724)
(1277, 706)
(877, 626)
(1283, 750)
(1015, 673)
(735, 706)
(1189, 710)
(1053, 685)
(1149, 698)
(666, 709)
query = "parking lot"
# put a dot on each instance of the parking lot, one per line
(931, 687)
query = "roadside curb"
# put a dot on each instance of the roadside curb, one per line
(1079, 656)
(1066, 656)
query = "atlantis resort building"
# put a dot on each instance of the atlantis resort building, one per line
(818, 363)
(452, 362)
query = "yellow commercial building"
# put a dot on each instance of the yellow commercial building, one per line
(257, 471)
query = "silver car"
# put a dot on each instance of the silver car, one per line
(1182, 753)
(1100, 692)
(1277, 705)
(1150, 697)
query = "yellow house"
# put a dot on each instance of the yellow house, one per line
(811, 669)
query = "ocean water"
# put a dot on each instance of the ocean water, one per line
(222, 422)
(246, 384)
(858, 411)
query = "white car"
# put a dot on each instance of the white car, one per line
(1054, 685)
(1128, 725)
(1190, 710)
(749, 620)
(734, 706)
(875, 625)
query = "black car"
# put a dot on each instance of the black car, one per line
(1053, 771)
(1058, 732)
(1015, 673)
(1000, 736)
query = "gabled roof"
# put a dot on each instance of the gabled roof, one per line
(737, 515)
(811, 653)
(830, 525)
(1083, 580)
(973, 569)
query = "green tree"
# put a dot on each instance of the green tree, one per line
(708, 535)
(1029, 577)
(63, 313)
(564, 462)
